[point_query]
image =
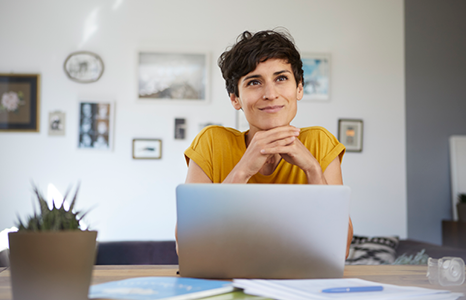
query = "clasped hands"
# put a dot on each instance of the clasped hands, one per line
(266, 145)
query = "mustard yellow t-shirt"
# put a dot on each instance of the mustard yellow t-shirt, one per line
(217, 150)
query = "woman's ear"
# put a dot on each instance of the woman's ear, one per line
(235, 101)
(300, 91)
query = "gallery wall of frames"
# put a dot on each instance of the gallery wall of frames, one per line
(171, 78)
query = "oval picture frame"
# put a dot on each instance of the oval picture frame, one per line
(84, 67)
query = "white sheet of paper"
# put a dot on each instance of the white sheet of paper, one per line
(303, 289)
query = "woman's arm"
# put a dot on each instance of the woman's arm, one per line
(196, 174)
(333, 176)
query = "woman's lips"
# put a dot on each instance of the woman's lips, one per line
(271, 109)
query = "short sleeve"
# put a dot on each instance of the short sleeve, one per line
(200, 151)
(323, 145)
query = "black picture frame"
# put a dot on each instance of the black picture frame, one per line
(180, 129)
(19, 102)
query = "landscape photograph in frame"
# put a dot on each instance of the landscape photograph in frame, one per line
(172, 76)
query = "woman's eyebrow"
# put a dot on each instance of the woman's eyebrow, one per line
(259, 76)
(281, 72)
(251, 76)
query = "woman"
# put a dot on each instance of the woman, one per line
(264, 77)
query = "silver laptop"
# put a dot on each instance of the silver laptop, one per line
(262, 230)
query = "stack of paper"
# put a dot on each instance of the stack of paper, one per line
(305, 289)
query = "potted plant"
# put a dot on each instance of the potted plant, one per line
(461, 207)
(50, 256)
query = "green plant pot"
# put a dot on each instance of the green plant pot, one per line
(52, 265)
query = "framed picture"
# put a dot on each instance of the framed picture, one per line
(180, 129)
(147, 149)
(19, 102)
(350, 134)
(173, 76)
(95, 125)
(83, 67)
(316, 69)
(57, 122)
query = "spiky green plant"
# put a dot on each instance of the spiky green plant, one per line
(462, 198)
(55, 219)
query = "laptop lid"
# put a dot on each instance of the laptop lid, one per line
(262, 230)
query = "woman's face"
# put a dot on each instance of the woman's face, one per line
(268, 95)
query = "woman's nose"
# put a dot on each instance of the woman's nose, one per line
(270, 92)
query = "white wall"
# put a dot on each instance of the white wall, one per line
(136, 199)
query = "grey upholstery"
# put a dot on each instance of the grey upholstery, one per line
(411, 247)
(137, 253)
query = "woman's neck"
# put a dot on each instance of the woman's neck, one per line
(248, 137)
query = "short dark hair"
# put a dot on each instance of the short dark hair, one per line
(253, 48)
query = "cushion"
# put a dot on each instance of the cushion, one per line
(380, 250)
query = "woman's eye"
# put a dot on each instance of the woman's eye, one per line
(282, 78)
(253, 82)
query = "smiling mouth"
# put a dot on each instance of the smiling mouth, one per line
(272, 109)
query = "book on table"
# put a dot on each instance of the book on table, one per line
(157, 288)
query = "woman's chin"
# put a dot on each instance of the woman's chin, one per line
(274, 125)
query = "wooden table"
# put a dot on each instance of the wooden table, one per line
(399, 275)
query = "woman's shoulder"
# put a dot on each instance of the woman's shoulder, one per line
(220, 129)
(318, 133)
(315, 130)
(219, 132)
